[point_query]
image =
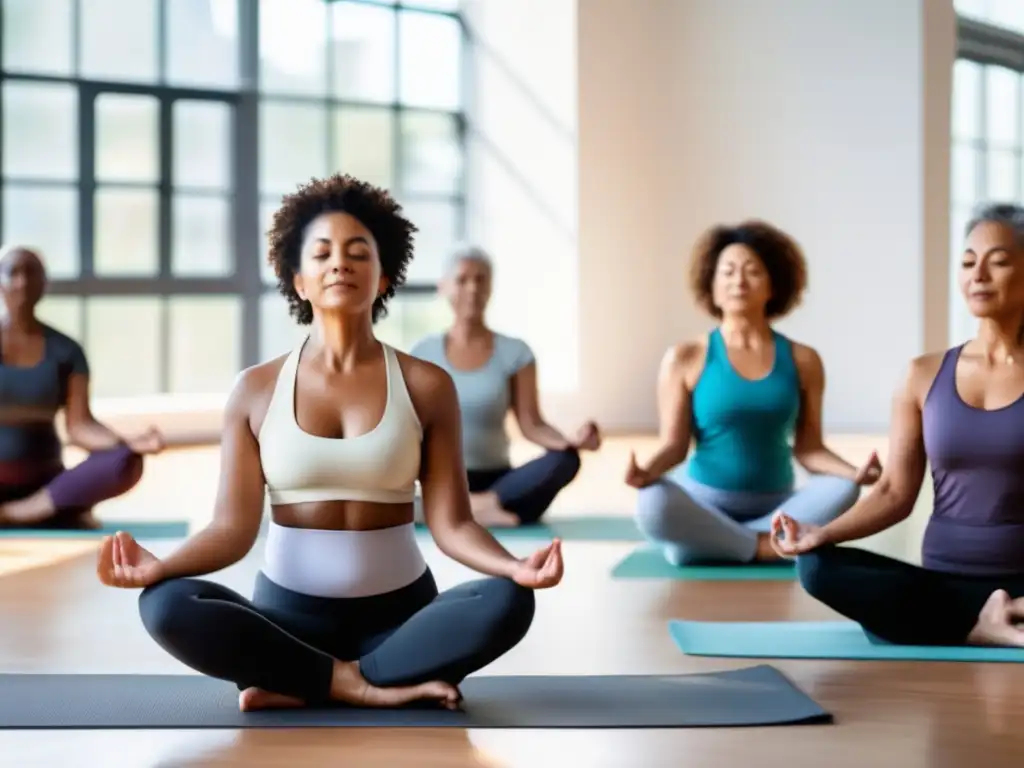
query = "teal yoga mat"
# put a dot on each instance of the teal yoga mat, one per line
(814, 640)
(140, 529)
(571, 529)
(650, 563)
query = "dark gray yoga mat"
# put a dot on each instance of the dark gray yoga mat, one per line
(755, 696)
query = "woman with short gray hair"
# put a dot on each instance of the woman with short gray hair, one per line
(495, 373)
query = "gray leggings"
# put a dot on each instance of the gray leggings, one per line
(695, 523)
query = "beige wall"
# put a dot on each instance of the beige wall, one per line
(598, 161)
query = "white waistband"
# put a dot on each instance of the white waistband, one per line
(326, 563)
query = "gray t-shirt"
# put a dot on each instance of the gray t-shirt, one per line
(485, 396)
(44, 387)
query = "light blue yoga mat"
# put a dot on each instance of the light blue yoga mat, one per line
(650, 563)
(814, 640)
(570, 529)
(140, 529)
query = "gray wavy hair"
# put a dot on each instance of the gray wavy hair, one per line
(1008, 214)
(469, 253)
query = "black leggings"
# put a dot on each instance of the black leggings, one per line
(896, 601)
(528, 490)
(286, 642)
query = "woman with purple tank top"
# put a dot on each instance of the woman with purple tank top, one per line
(43, 371)
(962, 411)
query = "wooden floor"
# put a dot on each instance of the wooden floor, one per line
(57, 618)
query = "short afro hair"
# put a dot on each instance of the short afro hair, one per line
(780, 253)
(374, 207)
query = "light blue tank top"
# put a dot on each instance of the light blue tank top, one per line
(485, 396)
(743, 427)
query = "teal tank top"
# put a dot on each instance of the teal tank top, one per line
(743, 427)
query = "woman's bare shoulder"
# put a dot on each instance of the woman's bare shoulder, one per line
(429, 385)
(253, 389)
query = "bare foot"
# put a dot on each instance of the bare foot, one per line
(999, 622)
(488, 512)
(252, 699)
(349, 685)
(765, 552)
(29, 511)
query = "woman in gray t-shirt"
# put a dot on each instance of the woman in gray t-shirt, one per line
(494, 374)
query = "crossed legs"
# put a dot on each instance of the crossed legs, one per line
(382, 650)
(692, 523)
(906, 604)
(66, 500)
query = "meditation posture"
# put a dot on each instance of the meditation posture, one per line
(494, 373)
(962, 411)
(43, 371)
(345, 608)
(741, 394)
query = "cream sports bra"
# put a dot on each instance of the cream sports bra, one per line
(381, 465)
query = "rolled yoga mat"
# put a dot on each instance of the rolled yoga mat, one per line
(815, 640)
(140, 529)
(650, 563)
(595, 528)
(756, 696)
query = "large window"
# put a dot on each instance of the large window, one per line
(145, 144)
(988, 131)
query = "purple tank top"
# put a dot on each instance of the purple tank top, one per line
(977, 461)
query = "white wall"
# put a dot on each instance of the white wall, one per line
(830, 119)
(522, 162)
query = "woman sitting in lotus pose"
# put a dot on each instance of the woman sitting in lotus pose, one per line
(345, 608)
(752, 399)
(42, 373)
(962, 411)
(495, 374)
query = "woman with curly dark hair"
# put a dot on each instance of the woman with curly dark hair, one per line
(741, 394)
(339, 431)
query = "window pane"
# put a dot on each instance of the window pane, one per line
(293, 46)
(293, 145)
(267, 210)
(973, 8)
(202, 144)
(364, 144)
(28, 22)
(966, 99)
(40, 127)
(1002, 99)
(126, 233)
(63, 313)
(119, 40)
(1002, 175)
(206, 343)
(430, 60)
(435, 241)
(124, 342)
(127, 138)
(363, 52)
(279, 333)
(201, 237)
(965, 174)
(440, 5)
(46, 219)
(1007, 13)
(202, 43)
(431, 159)
(410, 318)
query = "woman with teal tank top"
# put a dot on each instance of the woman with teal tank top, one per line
(750, 400)
(495, 374)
